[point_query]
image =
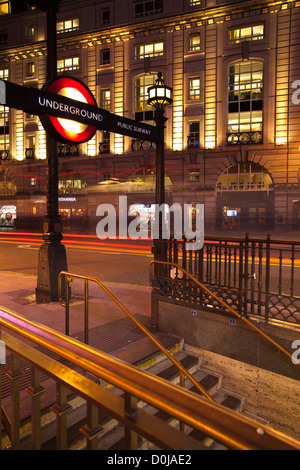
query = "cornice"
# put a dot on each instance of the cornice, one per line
(188, 19)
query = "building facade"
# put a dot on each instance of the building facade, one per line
(232, 136)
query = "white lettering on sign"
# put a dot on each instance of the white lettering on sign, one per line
(131, 127)
(296, 93)
(67, 199)
(46, 103)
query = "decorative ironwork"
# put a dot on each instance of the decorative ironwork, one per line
(255, 277)
(4, 155)
(68, 150)
(30, 153)
(244, 138)
(137, 145)
(104, 147)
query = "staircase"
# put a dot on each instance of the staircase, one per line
(111, 435)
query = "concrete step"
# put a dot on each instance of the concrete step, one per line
(155, 362)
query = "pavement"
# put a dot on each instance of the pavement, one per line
(110, 329)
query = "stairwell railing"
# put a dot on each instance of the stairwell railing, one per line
(23, 339)
(66, 303)
(156, 280)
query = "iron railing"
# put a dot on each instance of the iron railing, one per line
(166, 267)
(66, 303)
(228, 427)
(255, 276)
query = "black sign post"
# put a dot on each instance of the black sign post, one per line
(52, 253)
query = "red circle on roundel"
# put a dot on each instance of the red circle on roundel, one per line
(71, 130)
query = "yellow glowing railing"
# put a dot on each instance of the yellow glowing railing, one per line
(68, 276)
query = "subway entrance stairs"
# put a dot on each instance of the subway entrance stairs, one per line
(122, 339)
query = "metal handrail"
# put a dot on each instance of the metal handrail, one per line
(68, 277)
(241, 317)
(230, 428)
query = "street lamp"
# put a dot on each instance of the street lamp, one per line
(52, 253)
(159, 98)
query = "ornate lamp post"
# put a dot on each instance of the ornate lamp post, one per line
(159, 98)
(52, 254)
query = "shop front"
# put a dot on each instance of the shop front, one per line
(73, 212)
(246, 211)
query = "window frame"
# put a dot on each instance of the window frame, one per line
(65, 30)
(142, 55)
(141, 99)
(197, 47)
(156, 8)
(251, 37)
(68, 68)
(103, 60)
(194, 93)
(245, 97)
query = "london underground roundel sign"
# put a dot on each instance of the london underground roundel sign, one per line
(67, 130)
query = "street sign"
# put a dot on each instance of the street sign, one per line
(66, 130)
(46, 103)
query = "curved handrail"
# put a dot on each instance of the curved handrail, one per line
(232, 429)
(249, 323)
(181, 368)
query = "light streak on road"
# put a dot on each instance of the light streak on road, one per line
(92, 243)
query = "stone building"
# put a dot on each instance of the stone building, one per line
(232, 135)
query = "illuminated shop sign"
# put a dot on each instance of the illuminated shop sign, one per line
(67, 199)
(69, 112)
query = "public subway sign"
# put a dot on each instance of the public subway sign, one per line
(69, 113)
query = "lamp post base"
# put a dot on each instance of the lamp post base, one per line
(52, 260)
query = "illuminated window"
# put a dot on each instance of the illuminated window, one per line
(194, 3)
(67, 26)
(194, 44)
(194, 88)
(149, 50)
(245, 97)
(4, 74)
(70, 182)
(143, 111)
(70, 63)
(246, 33)
(5, 8)
(30, 146)
(249, 175)
(105, 99)
(30, 32)
(149, 7)
(4, 114)
(30, 69)
(194, 175)
(4, 123)
(4, 133)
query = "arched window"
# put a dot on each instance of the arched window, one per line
(244, 177)
(245, 102)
